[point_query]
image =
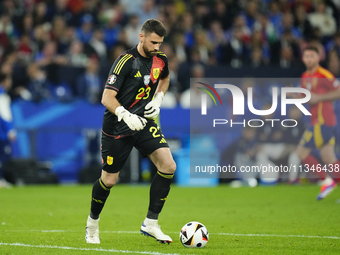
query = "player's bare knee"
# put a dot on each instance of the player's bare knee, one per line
(109, 181)
(169, 168)
(328, 159)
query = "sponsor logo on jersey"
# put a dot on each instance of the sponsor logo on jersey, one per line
(146, 79)
(109, 160)
(138, 75)
(112, 79)
(155, 73)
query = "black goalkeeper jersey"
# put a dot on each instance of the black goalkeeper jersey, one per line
(135, 78)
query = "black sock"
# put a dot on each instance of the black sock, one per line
(99, 195)
(159, 191)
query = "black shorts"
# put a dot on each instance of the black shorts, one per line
(116, 151)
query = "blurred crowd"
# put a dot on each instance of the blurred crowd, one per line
(43, 42)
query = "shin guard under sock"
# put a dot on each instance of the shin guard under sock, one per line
(335, 171)
(311, 161)
(159, 191)
(99, 195)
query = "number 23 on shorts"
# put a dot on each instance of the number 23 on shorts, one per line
(154, 131)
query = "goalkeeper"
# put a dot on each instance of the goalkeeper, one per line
(133, 94)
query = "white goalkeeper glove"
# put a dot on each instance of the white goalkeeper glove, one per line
(133, 121)
(152, 109)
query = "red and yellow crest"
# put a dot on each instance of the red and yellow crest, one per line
(155, 73)
(109, 160)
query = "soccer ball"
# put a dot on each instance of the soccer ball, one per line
(194, 234)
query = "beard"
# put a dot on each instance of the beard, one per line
(149, 53)
(312, 66)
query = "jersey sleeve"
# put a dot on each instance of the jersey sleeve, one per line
(120, 69)
(331, 82)
(165, 73)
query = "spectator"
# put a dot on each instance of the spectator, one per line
(91, 8)
(191, 98)
(12, 8)
(287, 24)
(40, 36)
(116, 51)
(266, 27)
(320, 19)
(26, 25)
(26, 49)
(174, 86)
(240, 24)
(167, 49)
(40, 14)
(275, 15)
(6, 32)
(96, 45)
(84, 33)
(60, 8)
(13, 68)
(307, 5)
(203, 46)
(50, 60)
(170, 14)
(201, 12)
(187, 24)
(222, 13)
(7, 132)
(131, 9)
(76, 56)
(258, 42)
(334, 44)
(235, 52)
(217, 36)
(49, 55)
(111, 33)
(90, 84)
(302, 23)
(218, 39)
(180, 49)
(286, 57)
(148, 10)
(39, 87)
(333, 63)
(132, 30)
(256, 57)
(251, 13)
(286, 40)
(58, 34)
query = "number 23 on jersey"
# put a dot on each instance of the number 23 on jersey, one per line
(143, 93)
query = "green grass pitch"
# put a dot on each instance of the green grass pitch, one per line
(261, 220)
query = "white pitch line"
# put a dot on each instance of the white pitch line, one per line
(273, 235)
(86, 249)
(221, 234)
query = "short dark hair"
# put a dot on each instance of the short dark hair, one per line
(153, 25)
(312, 48)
